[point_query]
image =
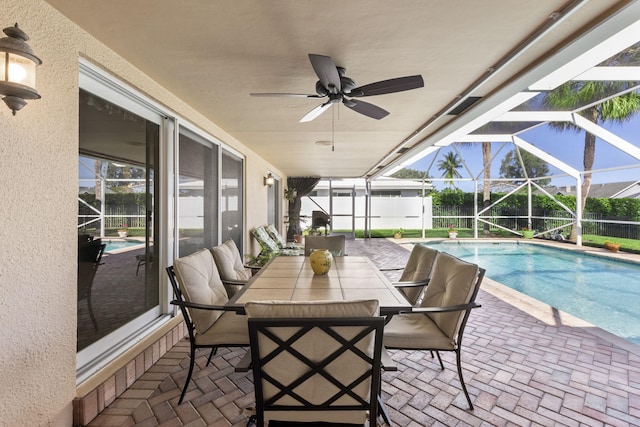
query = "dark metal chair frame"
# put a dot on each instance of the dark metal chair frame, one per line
(263, 327)
(184, 305)
(467, 311)
(89, 259)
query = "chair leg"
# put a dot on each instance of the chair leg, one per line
(439, 359)
(191, 363)
(382, 410)
(213, 351)
(464, 387)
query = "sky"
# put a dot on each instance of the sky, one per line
(567, 146)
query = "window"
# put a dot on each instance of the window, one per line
(118, 156)
(124, 202)
(386, 193)
(197, 193)
(231, 198)
(273, 203)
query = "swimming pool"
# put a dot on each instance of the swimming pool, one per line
(114, 245)
(604, 292)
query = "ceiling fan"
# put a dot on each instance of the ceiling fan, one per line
(334, 85)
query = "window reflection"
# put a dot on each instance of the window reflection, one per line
(198, 194)
(231, 198)
(116, 192)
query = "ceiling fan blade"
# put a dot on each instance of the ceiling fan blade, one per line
(315, 112)
(294, 95)
(367, 109)
(327, 72)
(389, 86)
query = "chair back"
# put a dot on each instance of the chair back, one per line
(89, 256)
(198, 281)
(418, 268)
(267, 244)
(228, 260)
(453, 282)
(275, 235)
(316, 361)
(335, 244)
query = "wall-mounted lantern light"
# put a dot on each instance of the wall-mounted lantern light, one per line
(269, 180)
(17, 69)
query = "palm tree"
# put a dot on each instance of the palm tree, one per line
(574, 94)
(450, 165)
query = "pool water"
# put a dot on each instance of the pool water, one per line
(601, 291)
(113, 245)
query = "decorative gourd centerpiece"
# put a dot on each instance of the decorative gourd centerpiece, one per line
(320, 261)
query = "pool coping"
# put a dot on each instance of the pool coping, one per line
(542, 311)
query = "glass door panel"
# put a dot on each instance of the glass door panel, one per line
(116, 207)
(197, 193)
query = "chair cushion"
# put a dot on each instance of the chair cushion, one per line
(418, 268)
(200, 282)
(419, 264)
(264, 240)
(229, 329)
(415, 331)
(335, 244)
(355, 308)
(452, 283)
(276, 236)
(228, 261)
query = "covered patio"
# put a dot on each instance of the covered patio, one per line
(525, 364)
(164, 88)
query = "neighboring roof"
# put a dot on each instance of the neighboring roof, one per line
(610, 190)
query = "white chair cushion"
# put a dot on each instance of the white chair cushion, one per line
(200, 283)
(452, 283)
(229, 329)
(355, 308)
(228, 261)
(419, 264)
(415, 331)
(418, 268)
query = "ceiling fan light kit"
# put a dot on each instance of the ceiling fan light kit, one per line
(338, 88)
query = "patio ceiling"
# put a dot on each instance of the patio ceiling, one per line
(500, 52)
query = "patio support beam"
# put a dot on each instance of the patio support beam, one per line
(563, 167)
(579, 211)
(475, 208)
(606, 136)
(546, 157)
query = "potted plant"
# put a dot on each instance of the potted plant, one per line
(612, 246)
(453, 233)
(397, 233)
(527, 233)
(123, 231)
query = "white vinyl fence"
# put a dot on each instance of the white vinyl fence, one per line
(386, 212)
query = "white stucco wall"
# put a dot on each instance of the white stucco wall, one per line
(38, 186)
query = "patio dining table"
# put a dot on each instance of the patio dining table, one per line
(287, 278)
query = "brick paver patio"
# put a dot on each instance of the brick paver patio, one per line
(525, 364)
